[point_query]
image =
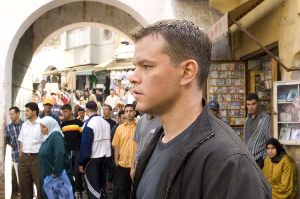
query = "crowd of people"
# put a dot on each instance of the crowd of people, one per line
(176, 149)
(73, 134)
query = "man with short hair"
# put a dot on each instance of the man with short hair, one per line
(257, 129)
(214, 107)
(112, 99)
(107, 110)
(94, 151)
(47, 111)
(123, 145)
(11, 135)
(194, 155)
(120, 120)
(30, 139)
(55, 107)
(72, 129)
(81, 114)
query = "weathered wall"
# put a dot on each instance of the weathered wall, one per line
(81, 12)
(282, 25)
(198, 12)
(21, 74)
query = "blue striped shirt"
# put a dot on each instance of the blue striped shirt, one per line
(257, 132)
(11, 135)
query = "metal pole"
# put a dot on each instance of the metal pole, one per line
(263, 47)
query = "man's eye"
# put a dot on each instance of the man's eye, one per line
(146, 67)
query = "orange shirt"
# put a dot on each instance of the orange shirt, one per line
(123, 139)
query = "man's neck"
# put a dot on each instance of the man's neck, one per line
(130, 121)
(181, 115)
(71, 118)
(106, 117)
(17, 121)
(47, 113)
(92, 113)
(32, 119)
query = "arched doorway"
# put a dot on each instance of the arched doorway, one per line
(46, 20)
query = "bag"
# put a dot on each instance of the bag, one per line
(59, 187)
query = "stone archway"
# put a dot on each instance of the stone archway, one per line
(35, 28)
(57, 18)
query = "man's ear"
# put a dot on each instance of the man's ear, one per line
(189, 70)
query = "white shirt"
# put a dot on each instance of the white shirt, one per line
(112, 101)
(31, 136)
(101, 143)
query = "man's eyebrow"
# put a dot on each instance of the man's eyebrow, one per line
(140, 62)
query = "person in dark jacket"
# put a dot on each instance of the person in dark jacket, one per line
(194, 154)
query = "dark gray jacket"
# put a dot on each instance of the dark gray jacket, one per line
(212, 163)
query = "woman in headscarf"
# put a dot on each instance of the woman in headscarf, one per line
(280, 171)
(53, 156)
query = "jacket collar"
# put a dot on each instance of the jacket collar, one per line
(201, 131)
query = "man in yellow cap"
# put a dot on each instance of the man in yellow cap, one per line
(48, 104)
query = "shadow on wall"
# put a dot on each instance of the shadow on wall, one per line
(296, 63)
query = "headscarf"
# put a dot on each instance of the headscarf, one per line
(279, 149)
(51, 125)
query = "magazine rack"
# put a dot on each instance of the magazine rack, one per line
(226, 84)
(286, 106)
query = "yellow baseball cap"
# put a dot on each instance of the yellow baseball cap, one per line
(48, 101)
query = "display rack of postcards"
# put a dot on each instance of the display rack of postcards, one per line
(287, 112)
(226, 84)
(262, 82)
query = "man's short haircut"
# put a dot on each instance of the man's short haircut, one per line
(16, 109)
(252, 96)
(120, 113)
(129, 105)
(66, 107)
(33, 107)
(184, 40)
(80, 109)
(107, 105)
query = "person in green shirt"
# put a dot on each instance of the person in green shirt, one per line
(53, 156)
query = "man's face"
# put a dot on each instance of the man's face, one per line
(129, 113)
(47, 107)
(252, 106)
(54, 97)
(155, 79)
(29, 113)
(13, 115)
(106, 112)
(81, 114)
(66, 114)
(122, 119)
(35, 99)
(112, 92)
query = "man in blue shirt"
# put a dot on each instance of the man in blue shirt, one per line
(11, 134)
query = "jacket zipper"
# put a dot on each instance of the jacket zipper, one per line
(182, 160)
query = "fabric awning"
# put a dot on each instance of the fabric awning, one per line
(223, 24)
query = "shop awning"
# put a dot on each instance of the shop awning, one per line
(223, 24)
(104, 65)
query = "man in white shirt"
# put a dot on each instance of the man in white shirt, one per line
(30, 139)
(112, 99)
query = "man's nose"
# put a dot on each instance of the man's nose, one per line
(133, 77)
